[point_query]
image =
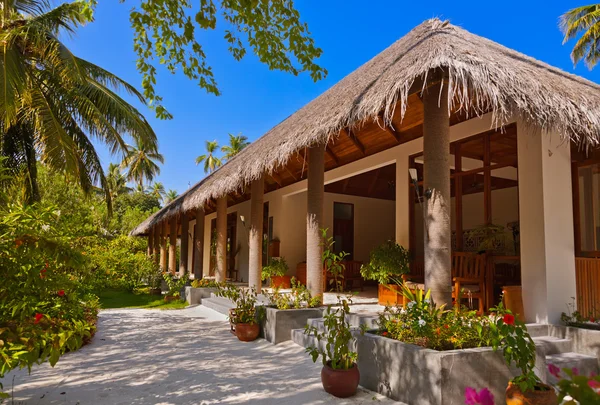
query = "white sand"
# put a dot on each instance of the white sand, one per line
(177, 357)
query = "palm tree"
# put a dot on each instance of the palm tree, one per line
(236, 144)
(140, 162)
(584, 20)
(116, 182)
(158, 190)
(140, 188)
(58, 99)
(211, 162)
(170, 196)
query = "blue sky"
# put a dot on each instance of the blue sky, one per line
(255, 99)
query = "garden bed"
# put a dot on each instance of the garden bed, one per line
(277, 324)
(194, 296)
(585, 341)
(420, 376)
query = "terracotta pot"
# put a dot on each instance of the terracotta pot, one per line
(247, 332)
(389, 295)
(169, 298)
(545, 396)
(281, 281)
(340, 383)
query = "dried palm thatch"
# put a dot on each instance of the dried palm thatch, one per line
(482, 76)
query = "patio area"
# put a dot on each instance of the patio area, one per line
(177, 357)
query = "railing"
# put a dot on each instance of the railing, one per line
(587, 276)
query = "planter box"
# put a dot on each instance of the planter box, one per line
(277, 325)
(389, 295)
(585, 341)
(419, 376)
(281, 281)
(194, 296)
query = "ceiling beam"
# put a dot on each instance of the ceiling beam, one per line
(287, 169)
(276, 178)
(348, 132)
(332, 155)
(390, 130)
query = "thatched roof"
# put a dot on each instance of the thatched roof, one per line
(482, 76)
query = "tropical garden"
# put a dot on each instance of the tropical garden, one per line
(65, 252)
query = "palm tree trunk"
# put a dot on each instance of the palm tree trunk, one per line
(184, 245)
(314, 220)
(255, 236)
(157, 244)
(436, 154)
(221, 258)
(163, 246)
(173, 245)
(199, 243)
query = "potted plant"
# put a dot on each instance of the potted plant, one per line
(387, 263)
(339, 375)
(175, 285)
(518, 349)
(276, 271)
(332, 263)
(243, 317)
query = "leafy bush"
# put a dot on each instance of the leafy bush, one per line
(175, 284)
(277, 267)
(300, 297)
(245, 303)
(387, 263)
(332, 261)
(206, 283)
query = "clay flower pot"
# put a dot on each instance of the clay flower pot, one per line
(340, 383)
(544, 396)
(169, 298)
(281, 281)
(247, 332)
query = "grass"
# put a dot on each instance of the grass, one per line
(125, 299)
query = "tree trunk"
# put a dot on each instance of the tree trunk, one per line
(173, 245)
(255, 236)
(221, 259)
(150, 251)
(184, 245)
(163, 246)
(199, 243)
(314, 220)
(436, 168)
(157, 245)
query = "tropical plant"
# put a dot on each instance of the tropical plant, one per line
(277, 267)
(387, 263)
(211, 162)
(175, 284)
(244, 300)
(170, 196)
(337, 336)
(583, 20)
(581, 389)
(491, 238)
(576, 319)
(116, 182)
(158, 190)
(333, 261)
(54, 102)
(300, 297)
(272, 29)
(141, 162)
(236, 144)
(205, 283)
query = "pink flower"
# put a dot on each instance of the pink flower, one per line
(575, 371)
(555, 371)
(593, 384)
(483, 397)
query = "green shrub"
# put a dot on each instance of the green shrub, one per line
(387, 263)
(277, 267)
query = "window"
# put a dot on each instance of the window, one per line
(589, 206)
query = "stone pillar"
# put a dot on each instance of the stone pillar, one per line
(221, 259)
(163, 246)
(546, 224)
(256, 232)
(199, 243)
(184, 245)
(173, 245)
(157, 244)
(314, 219)
(436, 173)
(402, 202)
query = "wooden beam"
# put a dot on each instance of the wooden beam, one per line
(389, 129)
(276, 178)
(287, 169)
(347, 132)
(332, 155)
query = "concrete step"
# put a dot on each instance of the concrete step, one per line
(301, 339)
(584, 364)
(553, 345)
(537, 329)
(219, 304)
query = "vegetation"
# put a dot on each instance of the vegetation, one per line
(245, 302)
(332, 261)
(387, 263)
(205, 283)
(175, 284)
(584, 21)
(236, 144)
(140, 161)
(299, 298)
(137, 299)
(168, 30)
(211, 162)
(576, 319)
(277, 267)
(338, 337)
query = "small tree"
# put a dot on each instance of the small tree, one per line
(387, 263)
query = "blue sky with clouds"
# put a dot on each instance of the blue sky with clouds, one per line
(255, 99)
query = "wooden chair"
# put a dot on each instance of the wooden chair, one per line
(351, 273)
(468, 276)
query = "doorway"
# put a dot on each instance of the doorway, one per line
(343, 228)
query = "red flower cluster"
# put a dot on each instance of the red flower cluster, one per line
(509, 319)
(384, 334)
(61, 293)
(38, 317)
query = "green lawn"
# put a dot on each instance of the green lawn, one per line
(124, 299)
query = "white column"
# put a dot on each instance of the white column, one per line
(199, 243)
(402, 204)
(546, 224)
(221, 258)
(183, 246)
(255, 234)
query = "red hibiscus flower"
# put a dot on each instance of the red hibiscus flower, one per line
(509, 319)
(384, 334)
(43, 273)
(38, 318)
(61, 293)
